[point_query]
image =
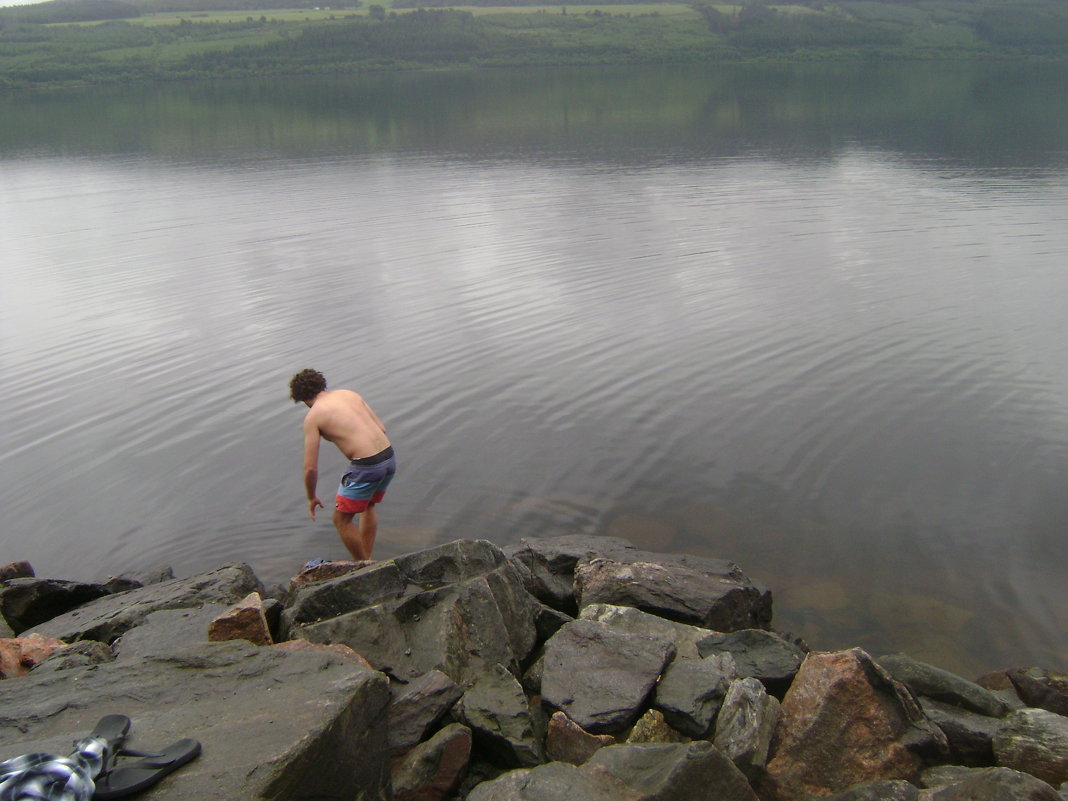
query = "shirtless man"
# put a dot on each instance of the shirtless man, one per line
(344, 418)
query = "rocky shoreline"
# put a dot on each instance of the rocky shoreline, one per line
(561, 668)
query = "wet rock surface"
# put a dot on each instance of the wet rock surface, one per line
(559, 668)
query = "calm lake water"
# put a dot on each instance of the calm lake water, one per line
(808, 319)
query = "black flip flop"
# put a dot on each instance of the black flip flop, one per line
(113, 729)
(134, 776)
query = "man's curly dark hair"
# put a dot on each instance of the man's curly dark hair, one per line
(305, 385)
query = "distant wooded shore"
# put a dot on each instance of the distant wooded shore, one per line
(67, 43)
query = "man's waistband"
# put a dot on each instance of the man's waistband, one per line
(381, 456)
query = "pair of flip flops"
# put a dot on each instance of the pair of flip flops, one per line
(120, 778)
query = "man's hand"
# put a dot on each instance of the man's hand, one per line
(314, 502)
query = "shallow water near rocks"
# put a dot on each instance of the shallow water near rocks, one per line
(808, 319)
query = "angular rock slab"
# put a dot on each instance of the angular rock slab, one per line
(566, 741)
(417, 707)
(79, 654)
(431, 770)
(996, 784)
(844, 721)
(760, 654)
(498, 714)
(556, 781)
(166, 630)
(459, 608)
(941, 685)
(245, 620)
(889, 790)
(690, 692)
(746, 724)
(327, 570)
(110, 617)
(274, 725)
(970, 735)
(712, 593)
(1041, 688)
(945, 775)
(634, 621)
(28, 602)
(549, 564)
(402, 577)
(670, 772)
(1034, 741)
(600, 677)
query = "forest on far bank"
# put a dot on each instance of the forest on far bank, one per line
(74, 42)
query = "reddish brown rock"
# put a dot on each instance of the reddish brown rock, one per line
(18, 655)
(327, 570)
(245, 620)
(431, 770)
(566, 741)
(16, 570)
(843, 721)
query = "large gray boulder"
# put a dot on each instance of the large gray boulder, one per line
(888, 790)
(944, 775)
(459, 608)
(970, 735)
(28, 602)
(549, 564)
(600, 677)
(996, 784)
(759, 654)
(690, 692)
(675, 772)
(941, 685)
(496, 711)
(713, 593)
(418, 706)
(111, 616)
(167, 630)
(634, 621)
(79, 654)
(403, 577)
(556, 781)
(274, 725)
(1034, 741)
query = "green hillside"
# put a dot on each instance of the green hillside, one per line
(67, 42)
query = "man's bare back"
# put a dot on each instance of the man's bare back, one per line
(343, 417)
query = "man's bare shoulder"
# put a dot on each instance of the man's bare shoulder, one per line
(332, 399)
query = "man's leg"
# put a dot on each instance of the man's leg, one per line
(350, 537)
(368, 529)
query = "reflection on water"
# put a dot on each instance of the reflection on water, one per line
(1000, 116)
(801, 320)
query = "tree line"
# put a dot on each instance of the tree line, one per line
(43, 44)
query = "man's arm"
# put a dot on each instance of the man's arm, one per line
(311, 465)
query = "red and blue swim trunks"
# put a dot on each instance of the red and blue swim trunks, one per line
(365, 482)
